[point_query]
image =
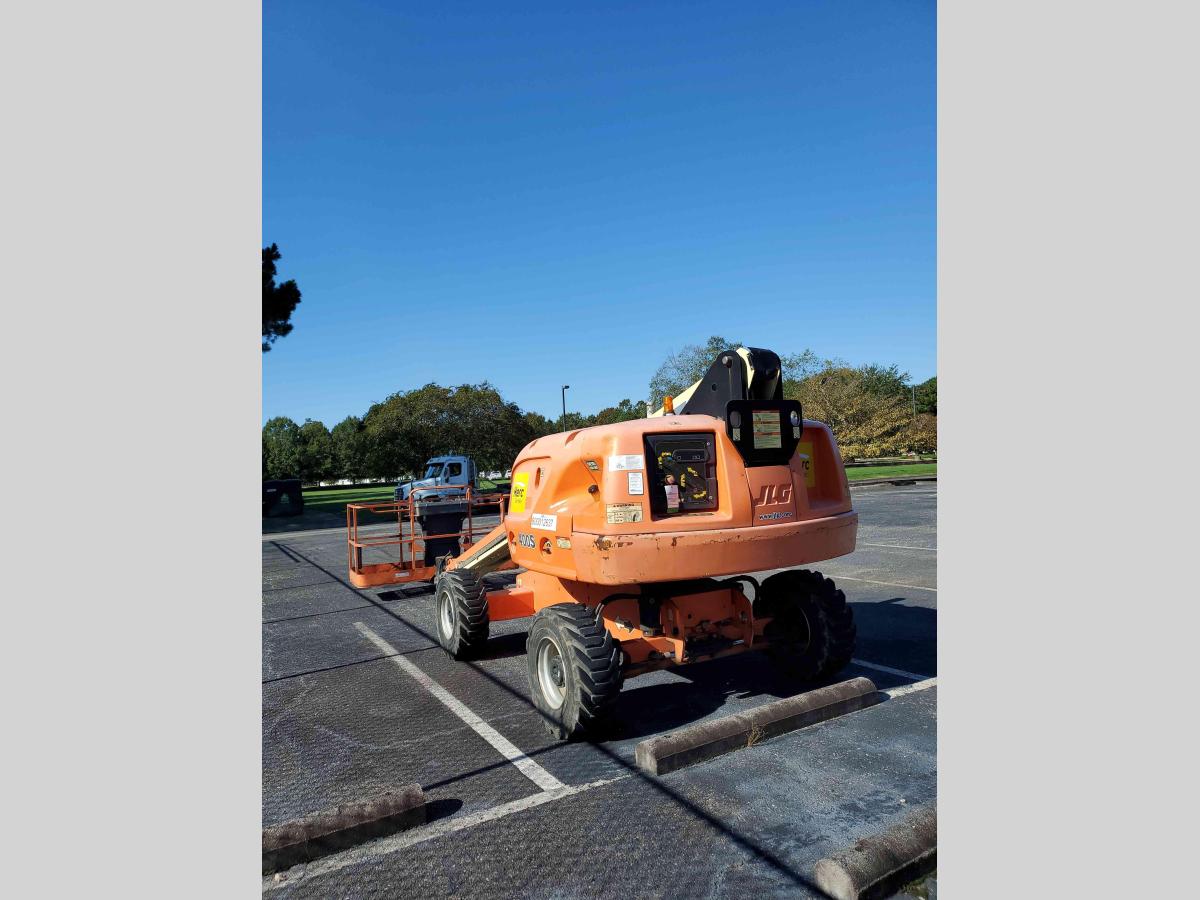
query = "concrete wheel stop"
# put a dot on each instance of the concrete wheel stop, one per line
(879, 865)
(704, 740)
(345, 826)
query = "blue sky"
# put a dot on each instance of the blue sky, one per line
(535, 194)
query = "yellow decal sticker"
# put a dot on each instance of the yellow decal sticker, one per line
(520, 492)
(805, 451)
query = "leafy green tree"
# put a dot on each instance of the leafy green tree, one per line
(281, 448)
(573, 421)
(317, 460)
(404, 430)
(800, 365)
(927, 396)
(473, 420)
(625, 411)
(350, 448)
(539, 425)
(279, 301)
(486, 427)
(885, 381)
(684, 367)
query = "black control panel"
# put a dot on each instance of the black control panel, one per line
(765, 432)
(681, 471)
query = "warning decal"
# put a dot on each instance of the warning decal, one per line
(624, 463)
(520, 493)
(636, 483)
(622, 513)
(767, 427)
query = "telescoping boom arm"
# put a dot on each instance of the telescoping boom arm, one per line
(747, 373)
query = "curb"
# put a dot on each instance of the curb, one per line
(895, 479)
(879, 865)
(303, 840)
(704, 740)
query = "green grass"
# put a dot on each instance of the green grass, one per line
(334, 500)
(858, 473)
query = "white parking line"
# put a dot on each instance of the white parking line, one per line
(900, 672)
(506, 748)
(896, 546)
(440, 829)
(895, 692)
(912, 587)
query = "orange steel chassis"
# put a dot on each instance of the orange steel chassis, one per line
(376, 574)
(721, 613)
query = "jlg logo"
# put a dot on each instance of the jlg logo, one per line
(774, 493)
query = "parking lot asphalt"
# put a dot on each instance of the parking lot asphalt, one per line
(345, 717)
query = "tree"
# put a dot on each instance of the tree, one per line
(927, 396)
(865, 423)
(279, 301)
(680, 370)
(317, 462)
(800, 365)
(539, 425)
(409, 427)
(350, 448)
(625, 411)
(885, 381)
(573, 421)
(923, 437)
(281, 448)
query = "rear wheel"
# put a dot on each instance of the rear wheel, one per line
(811, 634)
(574, 670)
(462, 614)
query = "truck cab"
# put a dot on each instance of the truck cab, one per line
(458, 471)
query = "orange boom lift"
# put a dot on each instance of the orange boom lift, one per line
(635, 539)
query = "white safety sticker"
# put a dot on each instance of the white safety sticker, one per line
(624, 463)
(546, 523)
(672, 491)
(623, 513)
(636, 484)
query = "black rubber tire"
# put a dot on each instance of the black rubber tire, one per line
(591, 671)
(812, 634)
(461, 598)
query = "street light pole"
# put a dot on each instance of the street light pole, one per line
(563, 420)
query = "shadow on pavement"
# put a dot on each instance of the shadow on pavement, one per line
(893, 633)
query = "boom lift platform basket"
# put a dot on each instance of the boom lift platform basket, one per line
(425, 530)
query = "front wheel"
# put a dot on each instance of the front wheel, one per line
(574, 670)
(811, 634)
(462, 613)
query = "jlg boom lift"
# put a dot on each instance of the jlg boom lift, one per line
(635, 539)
